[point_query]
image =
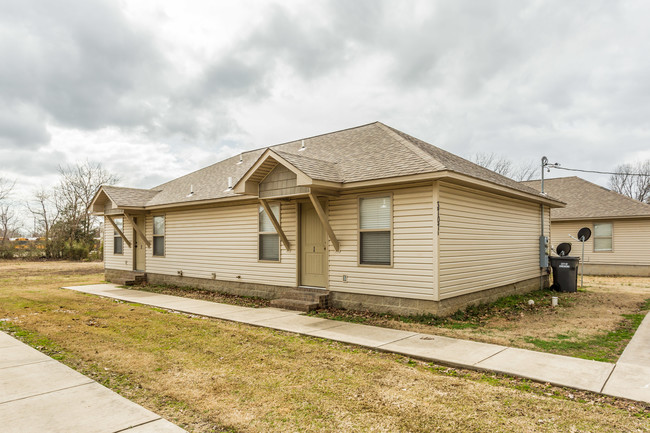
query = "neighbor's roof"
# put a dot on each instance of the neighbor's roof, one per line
(588, 200)
(369, 152)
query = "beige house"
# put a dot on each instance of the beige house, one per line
(368, 217)
(620, 226)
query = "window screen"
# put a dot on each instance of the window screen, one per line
(603, 237)
(118, 246)
(375, 231)
(159, 235)
(269, 240)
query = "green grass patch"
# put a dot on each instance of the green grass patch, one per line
(605, 347)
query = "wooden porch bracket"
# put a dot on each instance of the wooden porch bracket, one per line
(276, 224)
(117, 229)
(324, 221)
(137, 230)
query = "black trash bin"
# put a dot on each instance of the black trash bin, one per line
(565, 273)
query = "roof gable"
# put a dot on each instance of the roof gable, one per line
(121, 197)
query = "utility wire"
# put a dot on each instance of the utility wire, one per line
(598, 172)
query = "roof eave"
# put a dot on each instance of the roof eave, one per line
(504, 190)
(600, 218)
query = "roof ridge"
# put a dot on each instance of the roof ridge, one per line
(307, 138)
(433, 162)
(128, 187)
(282, 152)
(551, 178)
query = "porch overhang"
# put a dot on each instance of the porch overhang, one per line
(137, 229)
(305, 186)
(118, 230)
(249, 183)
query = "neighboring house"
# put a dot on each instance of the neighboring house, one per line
(376, 218)
(620, 226)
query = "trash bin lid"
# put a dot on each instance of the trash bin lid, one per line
(563, 249)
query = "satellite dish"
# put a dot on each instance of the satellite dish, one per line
(585, 233)
(563, 249)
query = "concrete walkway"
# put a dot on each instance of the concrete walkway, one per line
(629, 378)
(39, 394)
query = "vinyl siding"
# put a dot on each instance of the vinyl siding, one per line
(411, 274)
(630, 241)
(124, 261)
(223, 240)
(486, 240)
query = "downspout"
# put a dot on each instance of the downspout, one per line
(541, 207)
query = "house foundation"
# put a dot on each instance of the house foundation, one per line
(348, 301)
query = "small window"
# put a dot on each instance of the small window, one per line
(603, 237)
(118, 246)
(269, 240)
(375, 231)
(159, 235)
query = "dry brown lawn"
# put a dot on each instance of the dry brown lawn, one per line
(211, 376)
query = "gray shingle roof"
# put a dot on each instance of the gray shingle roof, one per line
(314, 168)
(588, 200)
(368, 152)
(129, 197)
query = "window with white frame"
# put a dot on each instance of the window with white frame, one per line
(118, 245)
(603, 237)
(375, 230)
(159, 235)
(269, 240)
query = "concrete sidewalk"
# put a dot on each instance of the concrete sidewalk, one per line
(39, 394)
(629, 378)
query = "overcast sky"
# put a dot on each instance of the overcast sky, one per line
(156, 89)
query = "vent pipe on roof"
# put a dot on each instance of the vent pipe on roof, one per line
(302, 146)
(241, 158)
(191, 191)
(230, 182)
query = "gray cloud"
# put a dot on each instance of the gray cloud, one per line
(518, 78)
(79, 62)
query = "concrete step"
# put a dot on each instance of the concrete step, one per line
(132, 279)
(295, 304)
(320, 297)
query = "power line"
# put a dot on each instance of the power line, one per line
(597, 172)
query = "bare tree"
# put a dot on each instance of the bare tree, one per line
(505, 167)
(45, 213)
(7, 214)
(493, 162)
(77, 186)
(632, 180)
(6, 186)
(525, 172)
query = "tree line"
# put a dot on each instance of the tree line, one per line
(59, 213)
